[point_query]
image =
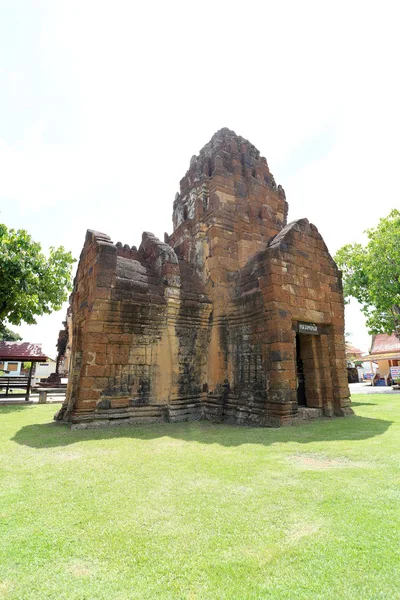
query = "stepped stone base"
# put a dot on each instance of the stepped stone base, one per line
(307, 414)
(195, 411)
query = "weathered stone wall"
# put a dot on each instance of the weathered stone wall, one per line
(203, 325)
(299, 282)
(135, 329)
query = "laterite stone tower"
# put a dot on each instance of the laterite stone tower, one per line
(236, 316)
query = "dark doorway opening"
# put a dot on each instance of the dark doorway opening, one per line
(301, 380)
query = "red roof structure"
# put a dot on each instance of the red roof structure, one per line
(384, 347)
(21, 351)
(353, 350)
(383, 343)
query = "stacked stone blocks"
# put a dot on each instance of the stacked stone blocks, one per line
(204, 324)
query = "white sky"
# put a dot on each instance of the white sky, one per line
(102, 105)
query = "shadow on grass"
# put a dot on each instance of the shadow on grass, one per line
(363, 404)
(51, 435)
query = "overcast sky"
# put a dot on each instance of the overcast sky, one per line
(102, 105)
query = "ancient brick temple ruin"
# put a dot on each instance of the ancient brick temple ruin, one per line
(236, 316)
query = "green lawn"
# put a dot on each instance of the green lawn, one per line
(195, 510)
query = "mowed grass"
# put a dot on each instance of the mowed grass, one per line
(201, 511)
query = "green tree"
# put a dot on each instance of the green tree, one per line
(371, 274)
(31, 284)
(6, 335)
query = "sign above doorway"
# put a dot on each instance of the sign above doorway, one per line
(308, 328)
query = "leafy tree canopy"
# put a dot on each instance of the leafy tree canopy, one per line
(6, 335)
(31, 284)
(371, 274)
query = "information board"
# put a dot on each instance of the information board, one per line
(395, 372)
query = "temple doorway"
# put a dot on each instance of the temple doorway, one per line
(314, 383)
(301, 380)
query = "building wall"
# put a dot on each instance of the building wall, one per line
(297, 281)
(203, 325)
(43, 370)
(14, 368)
(383, 368)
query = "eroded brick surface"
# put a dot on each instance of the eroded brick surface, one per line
(203, 324)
